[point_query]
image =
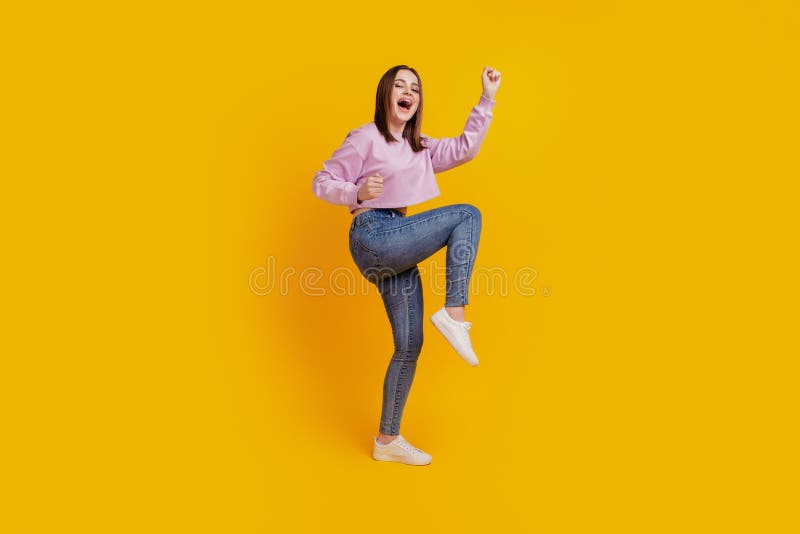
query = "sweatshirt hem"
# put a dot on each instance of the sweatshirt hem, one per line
(393, 205)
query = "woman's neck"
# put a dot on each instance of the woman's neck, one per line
(396, 128)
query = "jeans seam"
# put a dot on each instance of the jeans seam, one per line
(458, 296)
(404, 361)
(395, 230)
(363, 246)
(434, 217)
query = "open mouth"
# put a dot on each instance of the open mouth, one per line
(405, 104)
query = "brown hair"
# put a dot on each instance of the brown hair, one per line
(383, 103)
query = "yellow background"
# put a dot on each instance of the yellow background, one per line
(642, 159)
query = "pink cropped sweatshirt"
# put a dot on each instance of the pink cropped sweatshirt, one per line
(408, 175)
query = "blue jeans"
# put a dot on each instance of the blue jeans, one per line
(386, 247)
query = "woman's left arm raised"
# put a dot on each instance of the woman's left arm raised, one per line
(449, 152)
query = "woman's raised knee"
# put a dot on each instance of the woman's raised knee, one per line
(471, 210)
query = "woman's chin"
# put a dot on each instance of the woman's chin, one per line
(403, 117)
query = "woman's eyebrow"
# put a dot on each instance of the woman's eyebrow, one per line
(402, 80)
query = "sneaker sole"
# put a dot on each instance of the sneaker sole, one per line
(391, 459)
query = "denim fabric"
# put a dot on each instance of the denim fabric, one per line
(386, 247)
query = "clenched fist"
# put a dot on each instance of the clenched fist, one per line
(371, 188)
(491, 81)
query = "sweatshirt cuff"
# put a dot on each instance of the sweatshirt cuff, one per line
(353, 196)
(487, 101)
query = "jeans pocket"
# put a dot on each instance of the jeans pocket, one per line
(363, 256)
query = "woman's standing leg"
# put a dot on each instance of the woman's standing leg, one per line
(402, 298)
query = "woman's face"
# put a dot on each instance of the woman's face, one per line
(405, 96)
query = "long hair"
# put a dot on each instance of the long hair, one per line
(383, 103)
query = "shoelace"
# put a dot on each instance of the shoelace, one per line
(463, 331)
(407, 446)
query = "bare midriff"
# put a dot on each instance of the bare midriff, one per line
(362, 210)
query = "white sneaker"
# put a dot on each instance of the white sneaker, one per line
(457, 334)
(399, 450)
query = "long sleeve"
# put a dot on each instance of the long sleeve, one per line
(447, 152)
(336, 182)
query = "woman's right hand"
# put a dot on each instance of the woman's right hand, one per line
(371, 188)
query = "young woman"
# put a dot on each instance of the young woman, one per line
(381, 168)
